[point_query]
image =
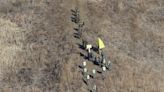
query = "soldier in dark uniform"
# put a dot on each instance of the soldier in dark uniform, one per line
(80, 29)
(84, 42)
(76, 16)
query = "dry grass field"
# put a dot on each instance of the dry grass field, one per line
(39, 53)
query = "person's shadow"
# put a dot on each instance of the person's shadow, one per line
(84, 56)
(81, 46)
(76, 35)
(73, 16)
(73, 11)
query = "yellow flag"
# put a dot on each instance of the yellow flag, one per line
(100, 43)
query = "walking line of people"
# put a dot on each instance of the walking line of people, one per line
(99, 59)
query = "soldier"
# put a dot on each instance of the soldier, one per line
(80, 29)
(103, 62)
(108, 65)
(84, 64)
(85, 71)
(94, 89)
(90, 55)
(103, 69)
(97, 60)
(84, 43)
(76, 9)
(93, 73)
(86, 79)
(77, 16)
(103, 72)
(74, 16)
(99, 51)
(102, 55)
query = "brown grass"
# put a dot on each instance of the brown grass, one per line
(39, 53)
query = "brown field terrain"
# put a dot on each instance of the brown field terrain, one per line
(39, 53)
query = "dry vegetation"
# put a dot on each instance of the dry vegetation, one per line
(39, 53)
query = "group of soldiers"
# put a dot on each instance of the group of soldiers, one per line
(99, 60)
(76, 19)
